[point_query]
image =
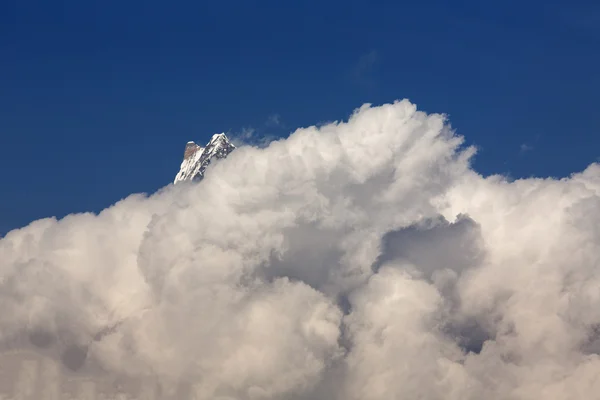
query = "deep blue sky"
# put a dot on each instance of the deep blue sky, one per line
(98, 98)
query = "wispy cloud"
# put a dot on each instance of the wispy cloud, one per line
(274, 120)
(530, 145)
(363, 71)
(261, 136)
(524, 148)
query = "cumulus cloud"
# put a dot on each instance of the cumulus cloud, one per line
(364, 259)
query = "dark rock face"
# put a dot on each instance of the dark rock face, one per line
(190, 149)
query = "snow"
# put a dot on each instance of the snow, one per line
(194, 165)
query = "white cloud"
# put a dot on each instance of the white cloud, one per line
(363, 259)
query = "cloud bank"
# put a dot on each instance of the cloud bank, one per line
(358, 260)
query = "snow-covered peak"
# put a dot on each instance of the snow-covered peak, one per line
(218, 136)
(196, 158)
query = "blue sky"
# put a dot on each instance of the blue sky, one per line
(98, 98)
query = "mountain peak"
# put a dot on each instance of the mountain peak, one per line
(218, 136)
(190, 149)
(197, 158)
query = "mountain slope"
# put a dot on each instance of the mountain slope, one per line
(196, 158)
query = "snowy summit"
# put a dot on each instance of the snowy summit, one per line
(197, 158)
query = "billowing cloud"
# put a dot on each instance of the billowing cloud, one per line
(356, 260)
